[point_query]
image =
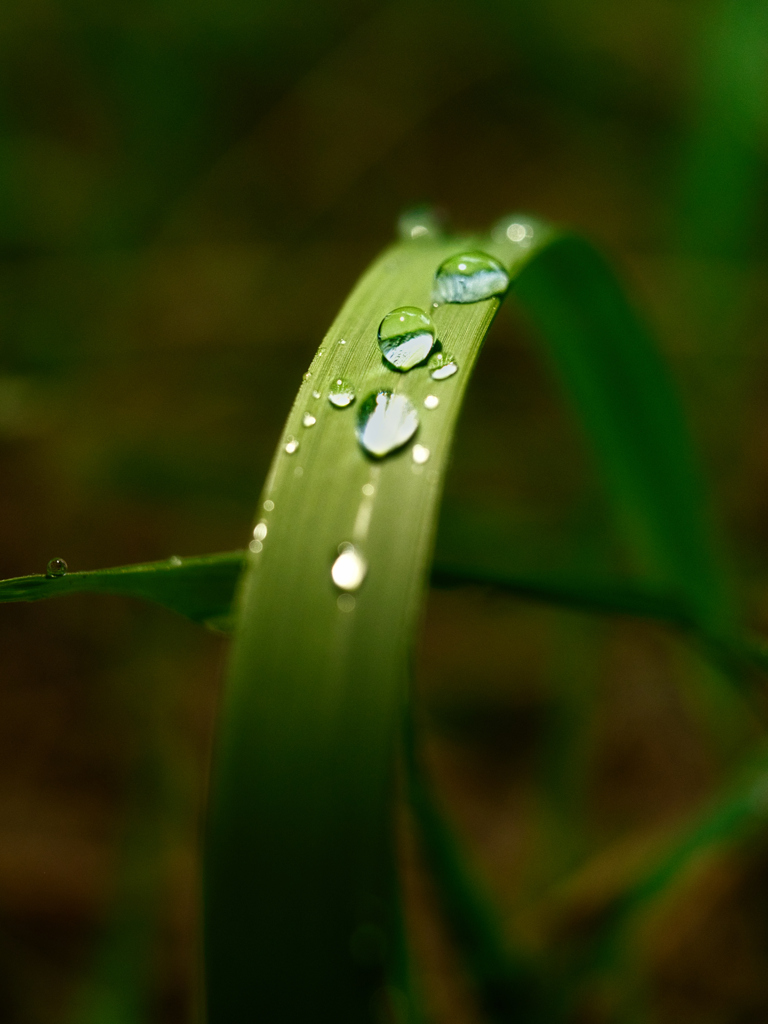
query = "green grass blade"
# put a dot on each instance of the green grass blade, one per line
(300, 865)
(201, 588)
(621, 388)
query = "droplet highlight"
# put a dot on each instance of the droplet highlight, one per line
(291, 445)
(175, 561)
(419, 454)
(269, 505)
(515, 228)
(57, 567)
(431, 402)
(421, 222)
(385, 422)
(260, 531)
(406, 337)
(309, 420)
(349, 569)
(341, 393)
(469, 277)
(442, 366)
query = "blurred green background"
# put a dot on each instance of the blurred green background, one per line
(187, 193)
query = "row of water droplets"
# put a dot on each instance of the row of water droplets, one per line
(386, 421)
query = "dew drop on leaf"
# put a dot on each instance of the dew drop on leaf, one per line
(341, 393)
(431, 402)
(385, 422)
(469, 277)
(260, 531)
(421, 222)
(309, 420)
(175, 561)
(406, 337)
(349, 569)
(291, 445)
(420, 454)
(56, 567)
(442, 366)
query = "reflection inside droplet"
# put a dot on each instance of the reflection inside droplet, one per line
(349, 569)
(385, 422)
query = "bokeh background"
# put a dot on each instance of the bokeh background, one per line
(187, 192)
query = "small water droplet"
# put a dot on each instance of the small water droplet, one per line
(431, 402)
(320, 352)
(315, 394)
(420, 454)
(385, 422)
(341, 393)
(406, 337)
(255, 546)
(470, 277)
(291, 444)
(175, 561)
(57, 567)
(421, 222)
(514, 228)
(369, 490)
(345, 603)
(342, 341)
(309, 420)
(349, 569)
(442, 366)
(306, 376)
(260, 531)
(269, 505)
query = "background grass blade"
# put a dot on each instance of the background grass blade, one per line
(614, 375)
(200, 588)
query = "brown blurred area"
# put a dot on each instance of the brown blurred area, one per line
(187, 193)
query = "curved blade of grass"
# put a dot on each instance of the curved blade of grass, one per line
(621, 388)
(299, 870)
(201, 588)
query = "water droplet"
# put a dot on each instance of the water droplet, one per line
(385, 422)
(346, 603)
(369, 490)
(175, 561)
(420, 454)
(269, 505)
(421, 222)
(309, 420)
(442, 366)
(307, 375)
(349, 569)
(341, 393)
(342, 341)
(260, 531)
(315, 394)
(431, 402)
(320, 352)
(469, 277)
(514, 228)
(406, 337)
(255, 546)
(56, 567)
(291, 444)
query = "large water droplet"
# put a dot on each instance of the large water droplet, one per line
(57, 567)
(341, 393)
(442, 366)
(421, 222)
(349, 569)
(406, 337)
(469, 277)
(385, 422)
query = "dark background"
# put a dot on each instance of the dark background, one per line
(187, 192)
